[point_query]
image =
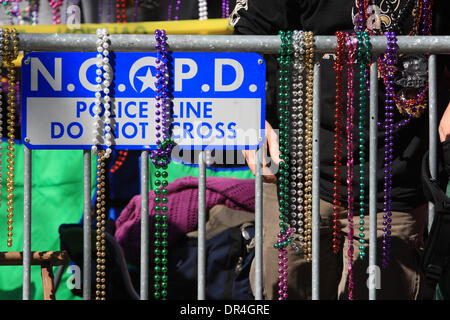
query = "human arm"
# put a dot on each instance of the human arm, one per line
(270, 164)
(444, 136)
(265, 17)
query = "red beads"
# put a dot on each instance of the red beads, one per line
(121, 11)
(119, 162)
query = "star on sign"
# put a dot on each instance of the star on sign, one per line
(148, 81)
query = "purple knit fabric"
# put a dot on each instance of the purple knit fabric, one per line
(238, 194)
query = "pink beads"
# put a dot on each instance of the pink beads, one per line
(56, 4)
(351, 44)
(283, 266)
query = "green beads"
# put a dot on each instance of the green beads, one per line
(160, 235)
(284, 77)
(363, 59)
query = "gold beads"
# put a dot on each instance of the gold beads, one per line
(100, 209)
(309, 68)
(10, 53)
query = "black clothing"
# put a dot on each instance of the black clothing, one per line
(446, 156)
(325, 17)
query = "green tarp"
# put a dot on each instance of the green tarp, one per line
(57, 198)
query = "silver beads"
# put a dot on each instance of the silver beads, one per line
(297, 140)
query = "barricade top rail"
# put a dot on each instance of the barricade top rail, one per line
(268, 44)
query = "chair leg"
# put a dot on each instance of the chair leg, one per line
(47, 281)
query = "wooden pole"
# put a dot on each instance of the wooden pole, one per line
(45, 259)
(15, 258)
(47, 281)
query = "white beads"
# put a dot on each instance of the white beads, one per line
(103, 78)
(202, 10)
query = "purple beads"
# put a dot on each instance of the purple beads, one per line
(390, 60)
(161, 156)
(282, 265)
(225, 8)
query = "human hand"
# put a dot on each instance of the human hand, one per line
(444, 125)
(271, 145)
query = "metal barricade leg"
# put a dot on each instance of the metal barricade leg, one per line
(201, 255)
(144, 226)
(433, 140)
(258, 225)
(315, 186)
(373, 180)
(27, 225)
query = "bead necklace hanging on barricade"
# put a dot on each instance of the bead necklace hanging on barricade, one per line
(9, 53)
(161, 159)
(102, 130)
(404, 77)
(359, 45)
(18, 14)
(295, 169)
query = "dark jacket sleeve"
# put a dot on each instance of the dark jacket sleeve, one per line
(446, 156)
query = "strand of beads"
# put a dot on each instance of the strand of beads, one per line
(11, 50)
(161, 158)
(363, 58)
(8, 11)
(100, 208)
(2, 47)
(309, 69)
(56, 4)
(135, 13)
(284, 61)
(11, 12)
(351, 45)
(121, 11)
(202, 10)
(282, 264)
(297, 147)
(427, 17)
(361, 18)
(17, 13)
(103, 80)
(34, 12)
(339, 66)
(119, 161)
(225, 8)
(177, 10)
(169, 10)
(390, 61)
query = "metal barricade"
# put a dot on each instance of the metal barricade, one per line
(232, 43)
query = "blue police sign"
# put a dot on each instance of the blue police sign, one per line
(218, 100)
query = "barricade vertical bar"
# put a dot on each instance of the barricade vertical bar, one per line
(433, 128)
(27, 225)
(87, 264)
(373, 141)
(258, 224)
(315, 185)
(144, 226)
(201, 257)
